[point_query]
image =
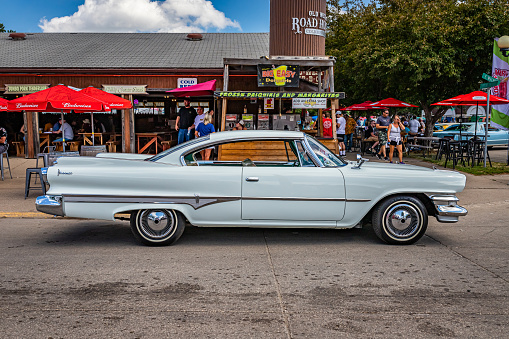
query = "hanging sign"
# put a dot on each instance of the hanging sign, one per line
(315, 23)
(125, 89)
(268, 103)
(24, 89)
(277, 95)
(186, 82)
(278, 75)
(309, 103)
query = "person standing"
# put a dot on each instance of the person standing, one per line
(185, 122)
(349, 132)
(382, 125)
(65, 130)
(341, 126)
(205, 128)
(394, 136)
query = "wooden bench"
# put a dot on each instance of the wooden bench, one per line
(20, 148)
(112, 146)
(420, 147)
(331, 144)
(71, 145)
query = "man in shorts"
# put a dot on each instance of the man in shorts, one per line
(341, 125)
(382, 125)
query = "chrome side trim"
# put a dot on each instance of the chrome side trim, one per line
(50, 204)
(195, 201)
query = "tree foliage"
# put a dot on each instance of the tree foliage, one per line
(2, 29)
(419, 51)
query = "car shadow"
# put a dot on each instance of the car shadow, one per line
(92, 232)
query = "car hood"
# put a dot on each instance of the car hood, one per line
(126, 156)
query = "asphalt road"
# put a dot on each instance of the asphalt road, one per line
(65, 278)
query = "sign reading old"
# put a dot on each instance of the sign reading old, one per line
(125, 89)
(25, 89)
(314, 24)
(278, 76)
(282, 95)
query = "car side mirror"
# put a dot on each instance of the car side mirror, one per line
(360, 161)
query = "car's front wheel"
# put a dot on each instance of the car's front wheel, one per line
(157, 227)
(400, 220)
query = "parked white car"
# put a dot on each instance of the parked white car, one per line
(255, 179)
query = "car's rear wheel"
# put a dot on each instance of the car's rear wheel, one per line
(157, 227)
(400, 220)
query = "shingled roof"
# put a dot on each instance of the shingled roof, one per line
(129, 50)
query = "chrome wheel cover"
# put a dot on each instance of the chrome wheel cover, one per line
(402, 220)
(157, 224)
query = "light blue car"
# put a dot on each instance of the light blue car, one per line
(496, 137)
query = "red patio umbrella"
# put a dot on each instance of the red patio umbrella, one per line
(3, 104)
(113, 101)
(391, 102)
(56, 98)
(205, 88)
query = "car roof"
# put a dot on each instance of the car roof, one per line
(255, 134)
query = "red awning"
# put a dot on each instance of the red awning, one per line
(475, 98)
(3, 104)
(391, 102)
(205, 88)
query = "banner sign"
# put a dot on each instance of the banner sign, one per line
(314, 24)
(25, 89)
(500, 70)
(186, 82)
(268, 103)
(280, 95)
(125, 89)
(280, 76)
(307, 103)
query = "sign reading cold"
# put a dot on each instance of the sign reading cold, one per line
(314, 24)
(278, 76)
(186, 82)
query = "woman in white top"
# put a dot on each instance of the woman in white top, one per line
(394, 137)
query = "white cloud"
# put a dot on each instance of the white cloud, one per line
(170, 16)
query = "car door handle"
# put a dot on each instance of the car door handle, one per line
(252, 179)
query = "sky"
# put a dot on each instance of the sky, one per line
(119, 16)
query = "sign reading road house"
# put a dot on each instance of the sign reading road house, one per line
(314, 24)
(125, 89)
(186, 82)
(278, 76)
(282, 95)
(308, 103)
(24, 89)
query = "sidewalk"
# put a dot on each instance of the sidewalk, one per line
(488, 189)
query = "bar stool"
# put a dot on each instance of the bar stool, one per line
(36, 171)
(454, 153)
(476, 152)
(2, 162)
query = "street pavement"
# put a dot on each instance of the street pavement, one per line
(73, 278)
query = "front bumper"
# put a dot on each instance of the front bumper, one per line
(447, 208)
(50, 204)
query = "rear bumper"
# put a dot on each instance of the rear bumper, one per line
(50, 204)
(447, 208)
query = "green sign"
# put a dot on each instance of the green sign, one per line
(24, 89)
(280, 95)
(488, 77)
(490, 84)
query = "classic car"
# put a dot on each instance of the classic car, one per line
(254, 179)
(496, 137)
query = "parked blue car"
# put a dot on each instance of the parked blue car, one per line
(496, 137)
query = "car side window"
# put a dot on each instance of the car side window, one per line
(247, 153)
(304, 157)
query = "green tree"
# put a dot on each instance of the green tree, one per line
(415, 50)
(2, 29)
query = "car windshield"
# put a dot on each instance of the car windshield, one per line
(457, 128)
(178, 147)
(327, 158)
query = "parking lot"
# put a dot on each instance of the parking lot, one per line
(69, 278)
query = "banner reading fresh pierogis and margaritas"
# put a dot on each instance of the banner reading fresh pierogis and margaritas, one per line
(500, 70)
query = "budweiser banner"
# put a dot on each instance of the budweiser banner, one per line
(500, 70)
(278, 76)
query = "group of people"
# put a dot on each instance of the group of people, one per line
(197, 120)
(383, 132)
